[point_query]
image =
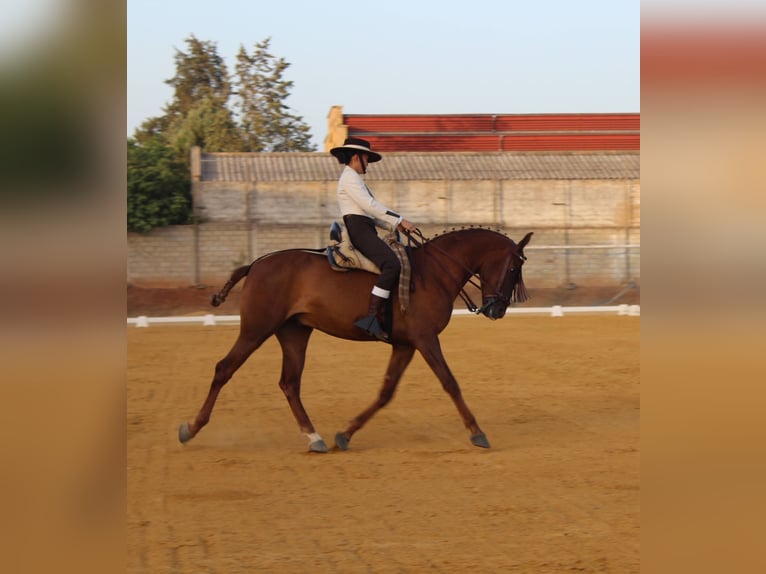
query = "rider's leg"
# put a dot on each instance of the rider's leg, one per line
(364, 236)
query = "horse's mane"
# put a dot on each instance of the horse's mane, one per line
(466, 227)
(447, 233)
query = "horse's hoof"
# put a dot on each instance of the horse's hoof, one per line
(318, 446)
(341, 441)
(480, 440)
(184, 434)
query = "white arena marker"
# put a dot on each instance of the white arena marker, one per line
(142, 321)
(209, 320)
(557, 311)
(635, 310)
(622, 309)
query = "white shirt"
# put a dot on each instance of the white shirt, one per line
(355, 198)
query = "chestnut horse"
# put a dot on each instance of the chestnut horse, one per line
(290, 293)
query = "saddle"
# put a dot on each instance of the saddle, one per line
(342, 254)
(344, 257)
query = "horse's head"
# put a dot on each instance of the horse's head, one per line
(501, 280)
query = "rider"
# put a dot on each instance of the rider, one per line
(361, 214)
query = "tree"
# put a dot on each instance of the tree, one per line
(265, 120)
(200, 74)
(159, 190)
(208, 126)
(151, 128)
(158, 154)
(199, 112)
(200, 115)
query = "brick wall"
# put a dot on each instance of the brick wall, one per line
(164, 256)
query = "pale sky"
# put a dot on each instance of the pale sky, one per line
(405, 57)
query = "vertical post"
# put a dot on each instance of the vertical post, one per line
(629, 199)
(248, 227)
(196, 176)
(567, 224)
(196, 163)
(566, 241)
(499, 204)
(567, 205)
(196, 254)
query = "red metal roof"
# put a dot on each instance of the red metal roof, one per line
(504, 142)
(498, 132)
(569, 122)
(424, 124)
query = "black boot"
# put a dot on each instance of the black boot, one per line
(370, 323)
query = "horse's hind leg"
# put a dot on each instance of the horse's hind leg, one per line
(432, 353)
(294, 338)
(226, 367)
(400, 358)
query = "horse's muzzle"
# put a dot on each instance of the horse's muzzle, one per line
(494, 308)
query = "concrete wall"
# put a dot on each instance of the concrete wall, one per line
(542, 203)
(164, 256)
(241, 221)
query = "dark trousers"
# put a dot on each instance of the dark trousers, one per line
(364, 236)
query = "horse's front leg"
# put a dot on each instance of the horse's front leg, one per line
(401, 355)
(294, 338)
(432, 353)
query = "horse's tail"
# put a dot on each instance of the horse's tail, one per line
(236, 276)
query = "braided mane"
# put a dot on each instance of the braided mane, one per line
(463, 228)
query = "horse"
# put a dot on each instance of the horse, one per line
(290, 293)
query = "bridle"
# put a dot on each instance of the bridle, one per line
(488, 301)
(493, 298)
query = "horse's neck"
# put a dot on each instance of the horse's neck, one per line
(459, 254)
(466, 247)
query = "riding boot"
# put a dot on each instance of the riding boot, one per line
(370, 323)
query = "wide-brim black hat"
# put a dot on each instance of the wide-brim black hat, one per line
(356, 144)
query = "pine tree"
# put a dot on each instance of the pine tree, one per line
(266, 121)
(208, 126)
(199, 113)
(200, 74)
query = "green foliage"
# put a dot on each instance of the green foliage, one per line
(200, 115)
(158, 186)
(151, 128)
(201, 74)
(208, 126)
(265, 119)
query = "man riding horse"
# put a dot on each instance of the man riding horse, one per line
(291, 293)
(361, 214)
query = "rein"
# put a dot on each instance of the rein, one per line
(472, 307)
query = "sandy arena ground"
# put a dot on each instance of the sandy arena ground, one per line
(557, 492)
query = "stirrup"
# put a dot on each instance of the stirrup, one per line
(371, 326)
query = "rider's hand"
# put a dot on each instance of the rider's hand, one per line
(406, 225)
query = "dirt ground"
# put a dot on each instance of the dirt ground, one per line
(557, 492)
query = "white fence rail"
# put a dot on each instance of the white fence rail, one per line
(555, 311)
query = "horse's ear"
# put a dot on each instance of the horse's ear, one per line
(526, 239)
